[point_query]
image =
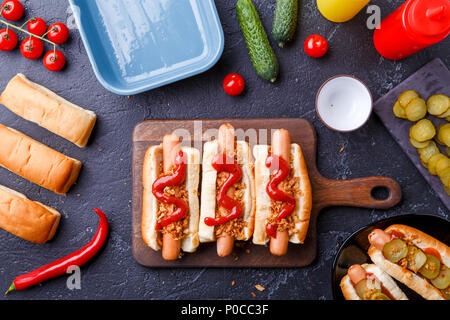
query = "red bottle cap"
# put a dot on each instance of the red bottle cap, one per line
(429, 19)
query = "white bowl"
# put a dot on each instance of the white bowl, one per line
(344, 103)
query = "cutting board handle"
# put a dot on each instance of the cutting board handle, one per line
(358, 193)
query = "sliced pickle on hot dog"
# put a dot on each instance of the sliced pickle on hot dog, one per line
(379, 296)
(366, 288)
(431, 268)
(416, 109)
(416, 258)
(428, 152)
(443, 279)
(438, 104)
(423, 130)
(405, 97)
(395, 250)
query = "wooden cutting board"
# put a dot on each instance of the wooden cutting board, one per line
(433, 78)
(326, 192)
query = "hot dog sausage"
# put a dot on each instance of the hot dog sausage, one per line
(356, 273)
(171, 147)
(281, 146)
(378, 238)
(226, 139)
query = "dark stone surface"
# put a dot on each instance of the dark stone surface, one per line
(105, 181)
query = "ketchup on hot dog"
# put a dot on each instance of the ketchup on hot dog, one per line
(282, 169)
(176, 178)
(222, 163)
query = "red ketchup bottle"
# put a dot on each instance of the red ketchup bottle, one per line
(415, 25)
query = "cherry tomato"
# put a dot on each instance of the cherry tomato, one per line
(32, 48)
(233, 84)
(54, 60)
(8, 40)
(58, 33)
(12, 10)
(316, 46)
(37, 26)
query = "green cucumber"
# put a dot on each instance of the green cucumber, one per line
(285, 21)
(261, 54)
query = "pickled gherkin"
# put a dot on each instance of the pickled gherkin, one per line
(416, 109)
(395, 250)
(433, 161)
(431, 268)
(379, 296)
(366, 288)
(442, 281)
(416, 258)
(399, 112)
(405, 98)
(428, 152)
(438, 104)
(423, 130)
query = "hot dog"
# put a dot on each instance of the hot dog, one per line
(414, 258)
(170, 210)
(283, 194)
(228, 209)
(369, 282)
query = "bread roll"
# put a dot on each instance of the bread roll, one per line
(27, 219)
(263, 202)
(209, 191)
(37, 104)
(389, 285)
(36, 162)
(151, 171)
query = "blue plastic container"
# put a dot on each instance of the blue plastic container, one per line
(138, 45)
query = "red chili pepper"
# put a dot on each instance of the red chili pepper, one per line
(282, 169)
(59, 267)
(174, 179)
(223, 164)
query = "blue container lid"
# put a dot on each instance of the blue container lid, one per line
(138, 45)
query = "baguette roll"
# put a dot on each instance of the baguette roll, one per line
(303, 196)
(36, 162)
(27, 219)
(209, 190)
(348, 287)
(151, 171)
(38, 104)
(414, 281)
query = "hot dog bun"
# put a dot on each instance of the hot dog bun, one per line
(37, 104)
(36, 162)
(349, 291)
(152, 162)
(409, 278)
(263, 202)
(27, 219)
(209, 178)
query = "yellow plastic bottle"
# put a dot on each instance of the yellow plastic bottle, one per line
(340, 10)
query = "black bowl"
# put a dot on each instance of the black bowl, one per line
(354, 249)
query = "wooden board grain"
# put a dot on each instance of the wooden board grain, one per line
(326, 192)
(433, 78)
